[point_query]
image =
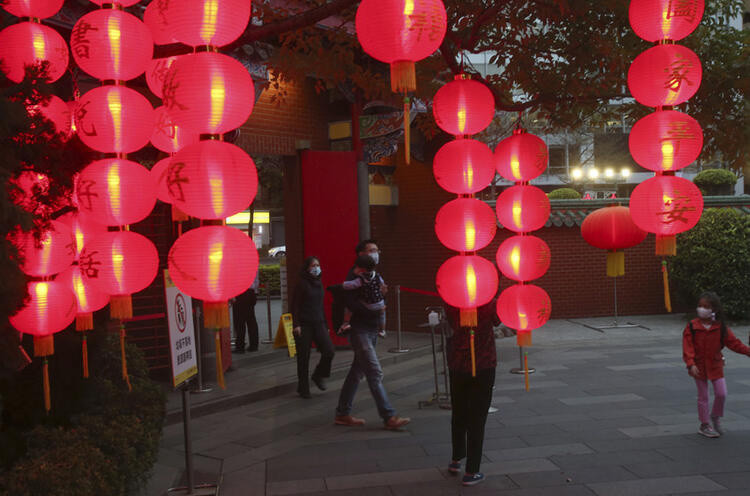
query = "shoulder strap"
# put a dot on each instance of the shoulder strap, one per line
(723, 333)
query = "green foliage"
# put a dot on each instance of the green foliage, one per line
(715, 181)
(270, 276)
(715, 256)
(564, 194)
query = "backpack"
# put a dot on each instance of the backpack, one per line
(722, 329)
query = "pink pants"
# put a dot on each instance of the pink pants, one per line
(720, 396)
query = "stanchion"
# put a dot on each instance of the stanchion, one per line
(614, 325)
(197, 325)
(398, 348)
(268, 314)
(442, 400)
(521, 369)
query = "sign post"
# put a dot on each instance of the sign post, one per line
(284, 336)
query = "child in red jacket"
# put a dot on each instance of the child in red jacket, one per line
(702, 341)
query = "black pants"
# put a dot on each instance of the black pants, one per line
(470, 399)
(244, 315)
(318, 333)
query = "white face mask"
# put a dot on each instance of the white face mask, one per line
(314, 271)
(375, 257)
(705, 313)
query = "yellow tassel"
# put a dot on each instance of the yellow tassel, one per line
(45, 382)
(407, 130)
(219, 366)
(665, 280)
(85, 355)
(468, 317)
(615, 263)
(84, 321)
(123, 359)
(526, 369)
(523, 338)
(121, 307)
(44, 345)
(403, 76)
(178, 215)
(666, 245)
(473, 354)
(215, 314)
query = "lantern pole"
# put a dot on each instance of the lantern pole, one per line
(398, 348)
(521, 369)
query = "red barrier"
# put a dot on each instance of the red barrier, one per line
(419, 291)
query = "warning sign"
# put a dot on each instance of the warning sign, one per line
(284, 336)
(181, 333)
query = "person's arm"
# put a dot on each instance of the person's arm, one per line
(352, 284)
(733, 343)
(688, 351)
(352, 303)
(296, 307)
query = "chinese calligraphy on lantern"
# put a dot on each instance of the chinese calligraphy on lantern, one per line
(682, 8)
(676, 208)
(677, 72)
(79, 40)
(430, 22)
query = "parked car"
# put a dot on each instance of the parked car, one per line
(277, 251)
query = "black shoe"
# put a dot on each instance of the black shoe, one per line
(320, 382)
(238, 350)
(306, 395)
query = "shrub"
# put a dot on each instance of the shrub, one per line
(564, 194)
(270, 276)
(715, 181)
(715, 256)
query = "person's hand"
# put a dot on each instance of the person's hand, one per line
(297, 331)
(693, 371)
(384, 288)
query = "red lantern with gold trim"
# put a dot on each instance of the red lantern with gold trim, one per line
(523, 258)
(612, 228)
(524, 307)
(665, 140)
(157, 71)
(463, 106)
(33, 8)
(521, 156)
(465, 224)
(523, 208)
(656, 20)
(30, 43)
(208, 22)
(83, 229)
(168, 136)
(49, 254)
(665, 75)
(89, 299)
(463, 166)
(467, 281)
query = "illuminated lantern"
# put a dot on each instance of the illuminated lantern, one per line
(111, 44)
(155, 17)
(115, 192)
(465, 224)
(523, 208)
(467, 281)
(523, 258)
(463, 107)
(88, 298)
(114, 119)
(212, 180)
(665, 140)
(656, 20)
(159, 173)
(399, 33)
(209, 93)
(524, 307)
(463, 166)
(56, 111)
(208, 22)
(612, 229)
(521, 156)
(168, 136)
(83, 229)
(666, 205)
(665, 75)
(156, 73)
(30, 43)
(49, 255)
(123, 3)
(33, 8)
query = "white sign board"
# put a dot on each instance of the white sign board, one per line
(181, 332)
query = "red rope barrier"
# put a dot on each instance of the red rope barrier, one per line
(149, 316)
(419, 291)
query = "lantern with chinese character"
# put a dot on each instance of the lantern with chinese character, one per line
(57, 112)
(467, 281)
(463, 106)
(156, 73)
(48, 254)
(463, 166)
(31, 43)
(159, 173)
(155, 17)
(521, 156)
(523, 258)
(524, 307)
(665, 140)
(656, 20)
(522, 208)
(39, 9)
(208, 22)
(168, 136)
(612, 229)
(83, 229)
(465, 224)
(664, 75)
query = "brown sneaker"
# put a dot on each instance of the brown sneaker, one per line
(348, 420)
(395, 423)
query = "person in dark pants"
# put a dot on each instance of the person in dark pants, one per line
(310, 326)
(244, 317)
(471, 396)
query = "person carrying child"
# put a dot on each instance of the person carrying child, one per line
(702, 341)
(367, 283)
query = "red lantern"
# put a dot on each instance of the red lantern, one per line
(611, 228)
(465, 224)
(665, 141)
(30, 43)
(209, 93)
(115, 192)
(56, 111)
(157, 70)
(88, 298)
(168, 136)
(463, 166)
(399, 33)
(523, 258)
(111, 44)
(50, 309)
(666, 205)
(83, 229)
(212, 180)
(123, 3)
(665, 75)
(656, 20)
(50, 254)
(467, 281)
(523, 208)
(155, 17)
(521, 157)
(208, 22)
(114, 119)
(33, 8)
(159, 173)
(463, 107)
(524, 307)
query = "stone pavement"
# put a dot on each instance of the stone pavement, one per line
(608, 413)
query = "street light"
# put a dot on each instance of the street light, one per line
(576, 174)
(609, 172)
(593, 173)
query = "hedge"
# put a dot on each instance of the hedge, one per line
(715, 181)
(564, 194)
(270, 276)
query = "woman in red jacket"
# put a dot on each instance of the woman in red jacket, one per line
(702, 341)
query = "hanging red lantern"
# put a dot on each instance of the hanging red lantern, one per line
(399, 33)
(39, 9)
(463, 166)
(524, 307)
(89, 299)
(523, 208)
(612, 228)
(115, 192)
(467, 281)
(665, 140)
(122, 3)
(157, 71)
(114, 119)
(463, 106)
(209, 93)
(83, 229)
(665, 75)
(168, 136)
(56, 111)
(465, 224)
(208, 22)
(657, 20)
(155, 17)
(521, 157)
(111, 44)
(49, 254)
(30, 43)
(523, 258)
(212, 180)
(158, 174)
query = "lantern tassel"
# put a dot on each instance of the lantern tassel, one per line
(123, 358)
(523, 339)
(45, 383)
(473, 354)
(403, 76)
(84, 321)
(215, 314)
(468, 317)
(44, 346)
(615, 263)
(85, 355)
(407, 130)
(665, 280)
(666, 245)
(121, 307)
(178, 215)
(526, 368)
(219, 366)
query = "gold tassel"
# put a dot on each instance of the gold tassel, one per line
(407, 130)
(615, 263)
(85, 355)
(215, 314)
(523, 338)
(403, 76)
(123, 359)
(45, 382)
(473, 354)
(121, 307)
(84, 321)
(468, 317)
(526, 368)
(44, 345)
(666, 245)
(665, 280)
(219, 366)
